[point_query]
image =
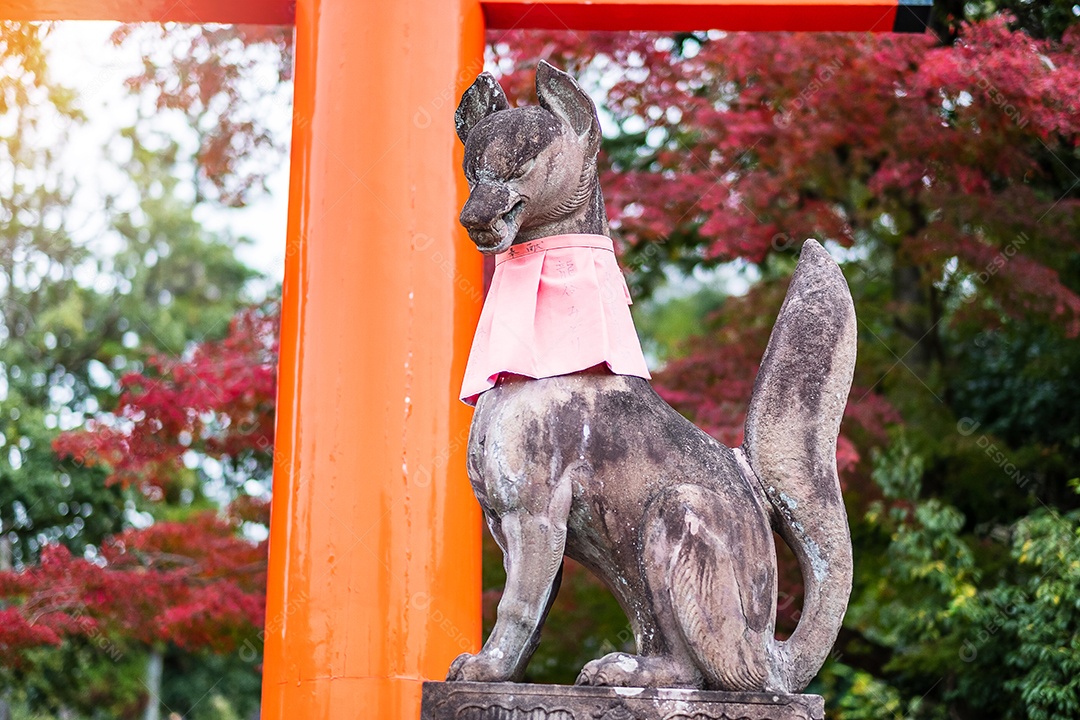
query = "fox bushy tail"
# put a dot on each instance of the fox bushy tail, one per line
(791, 430)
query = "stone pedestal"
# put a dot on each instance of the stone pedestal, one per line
(514, 701)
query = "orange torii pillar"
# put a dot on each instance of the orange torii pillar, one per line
(375, 538)
(374, 535)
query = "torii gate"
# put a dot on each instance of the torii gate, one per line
(374, 580)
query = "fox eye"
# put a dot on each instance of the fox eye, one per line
(525, 168)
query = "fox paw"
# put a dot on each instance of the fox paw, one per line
(625, 670)
(477, 668)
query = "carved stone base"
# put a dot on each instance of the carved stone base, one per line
(514, 701)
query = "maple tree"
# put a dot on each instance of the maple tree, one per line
(194, 583)
(232, 79)
(75, 552)
(163, 282)
(944, 178)
(218, 401)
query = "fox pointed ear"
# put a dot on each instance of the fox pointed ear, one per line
(561, 96)
(482, 98)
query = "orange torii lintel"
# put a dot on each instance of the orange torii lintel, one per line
(374, 574)
(732, 15)
(236, 12)
(665, 15)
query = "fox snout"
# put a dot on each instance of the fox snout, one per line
(492, 216)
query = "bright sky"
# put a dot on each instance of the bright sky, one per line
(82, 57)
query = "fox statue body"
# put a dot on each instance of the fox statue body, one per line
(597, 467)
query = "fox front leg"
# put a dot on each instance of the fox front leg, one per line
(532, 542)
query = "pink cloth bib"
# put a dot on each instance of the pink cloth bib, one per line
(556, 306)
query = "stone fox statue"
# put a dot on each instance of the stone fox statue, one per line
(594, 465)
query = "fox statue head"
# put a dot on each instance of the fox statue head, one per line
(531, 170)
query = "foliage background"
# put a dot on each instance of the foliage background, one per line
(942, 171)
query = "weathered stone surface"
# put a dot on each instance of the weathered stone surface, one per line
(531, 171)
(790, 442)
(513, 701)
(597, 467)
